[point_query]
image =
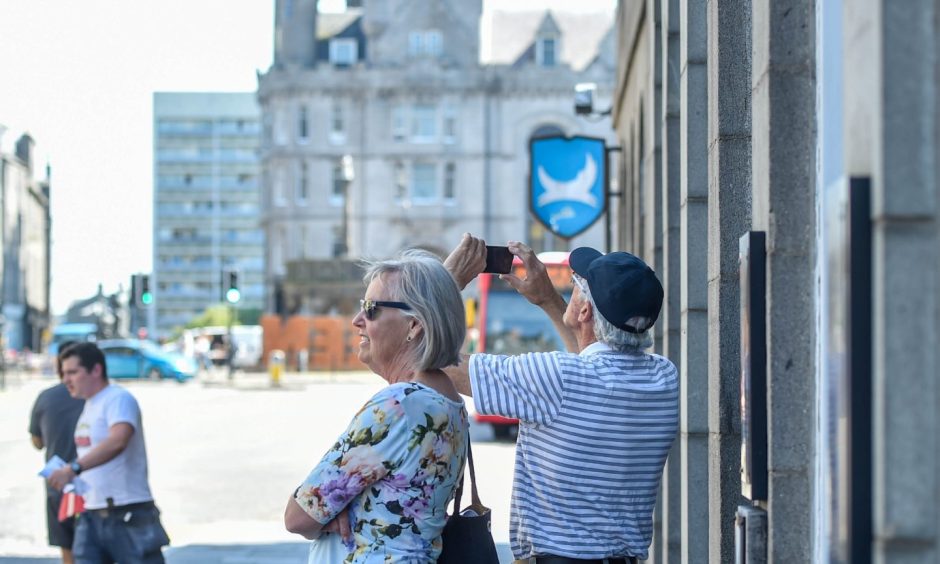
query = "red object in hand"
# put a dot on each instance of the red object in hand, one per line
(71, 505)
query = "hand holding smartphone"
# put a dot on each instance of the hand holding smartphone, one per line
(498, 260)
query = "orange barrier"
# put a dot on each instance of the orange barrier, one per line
(331, 342)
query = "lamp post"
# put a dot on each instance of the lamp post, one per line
(3, 365)
(348, 173)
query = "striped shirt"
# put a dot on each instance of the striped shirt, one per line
(594, 432)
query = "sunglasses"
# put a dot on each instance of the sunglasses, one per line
(368, 307)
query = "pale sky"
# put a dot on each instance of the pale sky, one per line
(80, 76)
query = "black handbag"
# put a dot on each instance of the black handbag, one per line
(467, 538)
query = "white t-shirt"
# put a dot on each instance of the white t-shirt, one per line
(124, 477)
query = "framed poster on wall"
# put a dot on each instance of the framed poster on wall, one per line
(846, 386)
(752, 270)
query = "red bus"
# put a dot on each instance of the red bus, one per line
(501, 321)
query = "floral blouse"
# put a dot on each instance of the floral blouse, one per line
(395, 468)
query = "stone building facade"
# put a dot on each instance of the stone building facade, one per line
(816, 124)
(25, 226)
(386, 130)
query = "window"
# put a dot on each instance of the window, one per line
(399, 124)
(425, 43)
(280, 198)
(278, 251)
(302, 184)
(302, 133)
(432, 43)
(423, 126)
(423, 182)
(450, 126)
(339, 182)
(280, 127)
(266, 127)
(450, 181)
(344, 51)
(545, 51)
(337, 123)
(415, 43)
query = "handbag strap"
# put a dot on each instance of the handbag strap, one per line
(474, 494)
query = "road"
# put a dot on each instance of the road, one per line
(224, 457)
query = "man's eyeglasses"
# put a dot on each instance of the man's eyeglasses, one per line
(368, 307)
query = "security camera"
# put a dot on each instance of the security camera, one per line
(584, 98)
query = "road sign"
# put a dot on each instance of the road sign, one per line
(568, 182)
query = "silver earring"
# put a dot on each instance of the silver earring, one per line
(409, 338)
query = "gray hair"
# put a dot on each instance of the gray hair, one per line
(423, 283)
(607, 333)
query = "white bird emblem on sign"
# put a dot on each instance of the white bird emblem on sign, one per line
(577, 189)
(564, 213)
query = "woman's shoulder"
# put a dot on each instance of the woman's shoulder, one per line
(408, 391)
(399, 393)
(414, 394)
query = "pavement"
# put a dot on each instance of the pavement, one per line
(205, 539)
(273, 553)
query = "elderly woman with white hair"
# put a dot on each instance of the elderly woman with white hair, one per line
(380, 493)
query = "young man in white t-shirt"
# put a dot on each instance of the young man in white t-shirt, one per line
(120, 522)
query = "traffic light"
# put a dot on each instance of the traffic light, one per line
(230, 286)
(144, 295)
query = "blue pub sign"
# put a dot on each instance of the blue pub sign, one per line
(567, 182)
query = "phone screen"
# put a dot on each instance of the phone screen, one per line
(498, 260)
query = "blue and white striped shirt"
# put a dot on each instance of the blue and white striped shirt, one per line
(594, 432)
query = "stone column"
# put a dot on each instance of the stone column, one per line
(693, 303)
(668, 269)
(651, 218)
(783, 106)
(892, 131)
(729, 216)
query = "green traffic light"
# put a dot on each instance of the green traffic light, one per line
(146, 298)
(233, 295)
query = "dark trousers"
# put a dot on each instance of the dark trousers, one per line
(548, 559)
(127, 534)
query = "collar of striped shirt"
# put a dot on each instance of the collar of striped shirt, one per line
(594, 348)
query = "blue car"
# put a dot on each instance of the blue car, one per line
(129, 358)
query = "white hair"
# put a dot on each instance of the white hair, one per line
(428, 288)
(609, 334)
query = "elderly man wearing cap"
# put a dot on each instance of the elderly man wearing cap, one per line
(595, 423)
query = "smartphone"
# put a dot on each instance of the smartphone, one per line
(498, 260)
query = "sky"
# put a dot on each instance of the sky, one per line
(79, 77)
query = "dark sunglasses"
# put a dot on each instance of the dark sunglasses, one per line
(368, 307)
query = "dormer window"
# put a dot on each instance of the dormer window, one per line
(344, 51)
(546, 51)
(423, 43)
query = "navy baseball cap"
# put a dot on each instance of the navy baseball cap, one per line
(622, 285)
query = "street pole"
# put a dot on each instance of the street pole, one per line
(230, 353)
(608, 194)
(3, 362)
(349, 174)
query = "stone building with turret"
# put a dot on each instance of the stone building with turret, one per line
(405, 123)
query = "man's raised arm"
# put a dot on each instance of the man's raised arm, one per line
(537, 287)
